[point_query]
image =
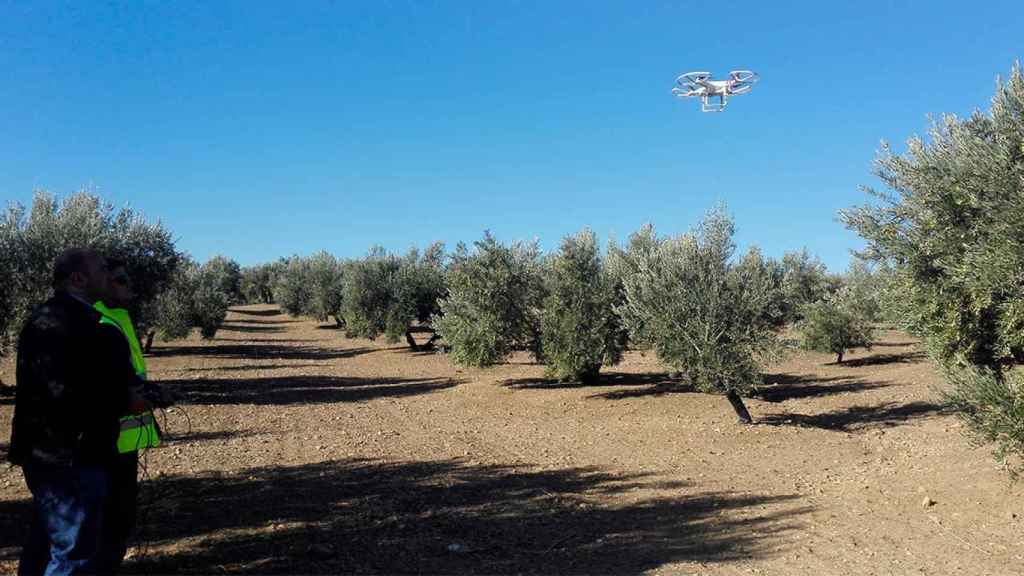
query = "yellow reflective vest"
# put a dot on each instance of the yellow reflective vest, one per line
(138, 431)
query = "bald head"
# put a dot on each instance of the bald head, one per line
(81, 271)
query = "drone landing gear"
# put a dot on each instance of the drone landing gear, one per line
(706, 105)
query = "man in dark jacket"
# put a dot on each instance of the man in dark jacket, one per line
(74, 381)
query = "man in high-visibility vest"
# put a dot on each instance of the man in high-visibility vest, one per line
(138, 429)
(74, 381)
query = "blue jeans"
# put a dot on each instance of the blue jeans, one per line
(66, 536)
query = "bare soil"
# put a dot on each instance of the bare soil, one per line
(296, 450)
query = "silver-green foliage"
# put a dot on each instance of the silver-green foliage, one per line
(257, 282)
(950, 225)
(701, 312)
(325, 277)
(213, 294)
(197, 297)
(228, 275)
(370, 293)
(302, 286)
(174, 318)
(493, 301)
(293, 289)
(30, 241)
(580, 331)
(844, 317)
(992, 405)
(832, 325)
(419, 287)
(805, 281)
(387, 294)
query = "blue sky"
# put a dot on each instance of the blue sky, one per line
(263, 130)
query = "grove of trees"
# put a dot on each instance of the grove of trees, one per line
(944, 259)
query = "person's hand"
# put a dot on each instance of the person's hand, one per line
(137, 403)
(158, 396)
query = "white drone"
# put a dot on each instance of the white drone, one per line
(700, 84)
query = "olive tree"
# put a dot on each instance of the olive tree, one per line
(256, 283)
(228, 275)
(493, 302)
(579, 330)
(196, 298)
(831, 325)
(805, 280)
(211, 297)
(33, 238)
(293, 288)
(325, 277)
(394, 296)
(420, 285)
(703, 314)
(844, 318)
(369, 293)
(950, 224)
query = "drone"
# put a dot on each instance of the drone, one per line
(701, 85)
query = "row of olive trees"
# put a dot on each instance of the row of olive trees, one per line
(710, 317)
(173, 294)
(31, 239)
(845, 316)
(198, 297)
(380, 294)
(949, 231)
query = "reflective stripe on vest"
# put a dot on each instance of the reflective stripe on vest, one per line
(138, 432)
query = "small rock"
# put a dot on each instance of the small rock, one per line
(1012, 515)
(927, 502)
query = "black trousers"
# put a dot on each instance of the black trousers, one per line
(121, 509)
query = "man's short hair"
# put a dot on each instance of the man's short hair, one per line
(70, 261)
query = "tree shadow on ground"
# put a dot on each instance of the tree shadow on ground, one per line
(782, 387)
(449, 517)
(879, 359)
(604, 379)
(855, 418)
(273, 340)
(267, 351)
(242, 368)
(267, 312)
(184, 436)
(228, 327)
(15, 516)
(287, 390)
(258, 322)
(893, 344)
(641, 385)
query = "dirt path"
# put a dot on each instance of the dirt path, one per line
(308, 452)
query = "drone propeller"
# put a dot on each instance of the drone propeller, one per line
(746, 76)
(688, 92)
(693, 80)
(740, 88)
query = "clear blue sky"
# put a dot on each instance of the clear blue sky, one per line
(262, 130)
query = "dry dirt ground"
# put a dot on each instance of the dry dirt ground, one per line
(299, 451)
